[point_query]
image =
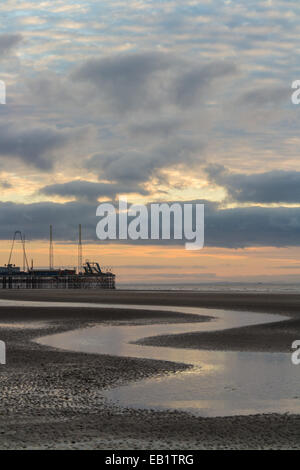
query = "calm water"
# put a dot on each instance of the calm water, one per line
(219, 384)
(245, 287)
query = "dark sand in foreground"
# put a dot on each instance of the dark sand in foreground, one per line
(52, 399)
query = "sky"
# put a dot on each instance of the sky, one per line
(161, 101)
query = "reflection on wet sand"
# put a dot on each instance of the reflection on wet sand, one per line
(219, 384)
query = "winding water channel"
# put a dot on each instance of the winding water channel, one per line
(220, 383)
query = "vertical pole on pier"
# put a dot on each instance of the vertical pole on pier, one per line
(24, 241)
(51, 250)
(79, 250)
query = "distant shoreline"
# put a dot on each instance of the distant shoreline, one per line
(218, 287)
(259, 302)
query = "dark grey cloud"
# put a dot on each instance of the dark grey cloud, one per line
(191, 84)
(34, 220)
(131, 167)
(148, 80)
(138, 167)
(230, 228)
(81, 190)
(125, 80)
(34, 147)
(265, 96)
(9, 42)
(156, 128)
(277, 186)
(252, 226)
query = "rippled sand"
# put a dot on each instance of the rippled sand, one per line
(52, 399)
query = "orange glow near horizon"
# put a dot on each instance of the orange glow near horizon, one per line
(157, 264)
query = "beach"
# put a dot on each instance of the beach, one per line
(52, 398)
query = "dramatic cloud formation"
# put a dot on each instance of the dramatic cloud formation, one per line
(149, 80)
(275, 186)
(127, 82)
(157, 100)
(230, 228)
(144, 108)
(139, 167)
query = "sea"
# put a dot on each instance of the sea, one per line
(239, 287)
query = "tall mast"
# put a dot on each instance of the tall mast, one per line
(79, 250)
(51, 250)
(24, 251)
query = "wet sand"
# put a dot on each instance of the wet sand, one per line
(273, 337)
(52, 399)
